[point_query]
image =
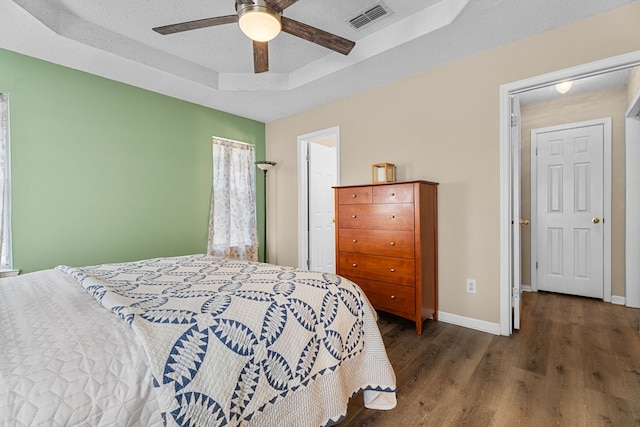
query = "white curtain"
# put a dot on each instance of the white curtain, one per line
(232, 224)
(5, 210)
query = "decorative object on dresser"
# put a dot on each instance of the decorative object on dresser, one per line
(387, 243)
(383, 172)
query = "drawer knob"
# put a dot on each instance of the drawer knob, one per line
(354, 240)
(354, 195)
(353, 216)
(393, 270)
(354, 264)
(393, 217)
(393, 297)
(392, 243)
(392, 194)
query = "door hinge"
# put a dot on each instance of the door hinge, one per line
(536, 265)
(514, 120)
(308, 157)
(515, 294)
(308, 265)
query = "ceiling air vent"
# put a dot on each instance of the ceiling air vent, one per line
(367, 16)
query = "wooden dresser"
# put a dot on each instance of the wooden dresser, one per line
(387, 243)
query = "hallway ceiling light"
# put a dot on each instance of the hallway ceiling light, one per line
(564, 87)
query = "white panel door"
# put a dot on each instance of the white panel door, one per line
(570, 206)
(322, 177)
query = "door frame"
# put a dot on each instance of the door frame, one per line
(303, 187)
(606, 159)
(632, 226)
(506, 167)
(516, 227)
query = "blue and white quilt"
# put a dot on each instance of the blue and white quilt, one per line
(243, 343)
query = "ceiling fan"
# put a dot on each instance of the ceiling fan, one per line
(261, 21)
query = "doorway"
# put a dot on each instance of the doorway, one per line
(318, 172)
(509, 289)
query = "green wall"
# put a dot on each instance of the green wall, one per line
(106, 172)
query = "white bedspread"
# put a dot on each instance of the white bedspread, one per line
(223, 342)
(63, 362)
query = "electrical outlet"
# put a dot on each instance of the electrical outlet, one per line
(471, 286)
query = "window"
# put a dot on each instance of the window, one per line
(5, 210)
(232, 224)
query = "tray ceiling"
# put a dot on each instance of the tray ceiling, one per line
(214, 66)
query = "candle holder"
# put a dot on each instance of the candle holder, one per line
(383, 172)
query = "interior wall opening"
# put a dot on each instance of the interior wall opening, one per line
(617, 77)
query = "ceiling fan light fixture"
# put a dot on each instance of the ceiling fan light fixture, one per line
(259, 22)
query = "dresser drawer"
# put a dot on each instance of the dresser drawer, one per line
(387, 296)
(395, 193)
(394, 270)
(354, 195)
(393, 243)
(381, 217)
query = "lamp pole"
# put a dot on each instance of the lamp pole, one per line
(265, 166)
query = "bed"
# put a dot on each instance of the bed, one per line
(190, 341)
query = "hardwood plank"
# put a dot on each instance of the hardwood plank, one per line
(633, 315)
(600, 371)
(565, 379)
(603, 409)
(630, 382)
(533, 350)
(621, 335)
(523, 401)
(483, 391)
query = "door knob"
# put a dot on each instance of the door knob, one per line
(524, 222)
(595, 220)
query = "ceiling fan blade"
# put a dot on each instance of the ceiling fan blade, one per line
(280, 5)
(317, 36)
(193, 25)
(260, 57)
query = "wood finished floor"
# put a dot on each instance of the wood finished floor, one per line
(575, 362)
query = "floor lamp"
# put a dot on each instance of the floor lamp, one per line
(265, 166)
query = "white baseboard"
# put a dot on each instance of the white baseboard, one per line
(468, 322)
(9, 273)
(526, 288)
(615, 299)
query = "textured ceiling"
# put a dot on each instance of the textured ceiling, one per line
(213, 66)
(224, 48)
